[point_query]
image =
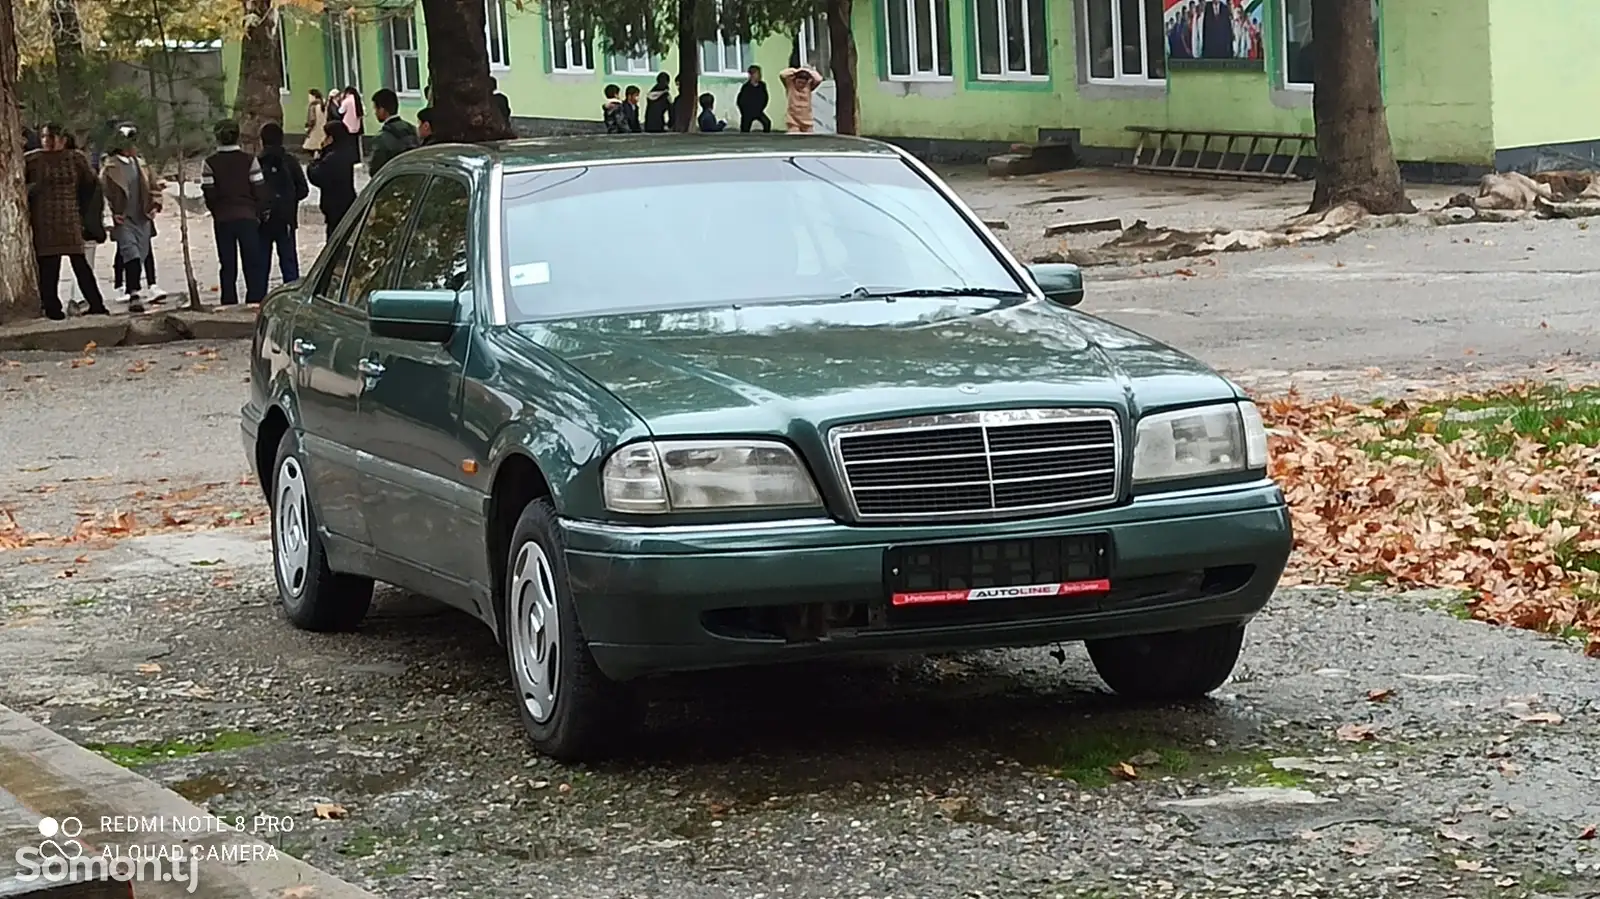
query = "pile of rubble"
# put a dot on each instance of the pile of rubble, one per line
(1512, 196)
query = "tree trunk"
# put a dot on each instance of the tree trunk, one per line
(260, 72)
(842, 49)
(683, 112)
(463, 102)
(19, 273)
(66, 39)
(1355, 155)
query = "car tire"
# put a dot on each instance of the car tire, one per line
(1172, 666)
(571, 711)
(314, 597)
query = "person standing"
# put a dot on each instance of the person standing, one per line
(501, 101)
(612, 115)
(94, 234)
(288, 186)
(798, 85)
(425, 125)
(316, 121)
(235, 191)
(630, 109)
(333, 171)
(395, 135)
(59, 183)
(752, 102)
(352, 114)
(30, 137)
(130, 192)
(658, 106)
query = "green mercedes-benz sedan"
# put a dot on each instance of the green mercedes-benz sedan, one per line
(658, 404)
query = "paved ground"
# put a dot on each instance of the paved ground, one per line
(979, 776)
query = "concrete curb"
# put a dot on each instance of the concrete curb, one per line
(72, 334)
(42, 773)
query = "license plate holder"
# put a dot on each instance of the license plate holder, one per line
(1060, 566)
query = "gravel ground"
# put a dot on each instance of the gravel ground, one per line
(989, 775)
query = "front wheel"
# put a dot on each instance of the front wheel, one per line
(1172, 666)
(315, 597)
(572, 711)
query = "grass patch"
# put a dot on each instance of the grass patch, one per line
(135, 755)
(360, 844)
(1087, 760)
(1552, 416)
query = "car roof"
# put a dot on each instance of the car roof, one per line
(531, 153)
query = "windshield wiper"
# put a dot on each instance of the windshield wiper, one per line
(864, 293)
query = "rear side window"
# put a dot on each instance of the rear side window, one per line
(377, 249)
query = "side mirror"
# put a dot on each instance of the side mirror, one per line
(1062, 282)
(426, 316)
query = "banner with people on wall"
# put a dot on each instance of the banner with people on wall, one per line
(1215, 33)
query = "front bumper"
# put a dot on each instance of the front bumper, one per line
(649, 598)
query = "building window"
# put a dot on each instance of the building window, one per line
(1298, 72)
(1127, 41)
(403, 58)
(346, 53)
(494, 29)
(919, 39)
(570, 47)
(728, 54)
(627, 64)
(283, 51)
(1012, 40)
(812, 47)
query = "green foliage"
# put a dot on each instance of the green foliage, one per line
(651, 26)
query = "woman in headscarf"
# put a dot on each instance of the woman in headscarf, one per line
(131, 194)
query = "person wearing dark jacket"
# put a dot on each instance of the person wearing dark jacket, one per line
(236, 194)
(708, 117)
(752, 102)
(288, 184)
(60, 183)
(658, 105)
(395, 136)
(334, 174)
(612, 115)
(630, 109)
(425, 125)
(501, 101)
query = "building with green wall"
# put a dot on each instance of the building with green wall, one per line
(1470, 85)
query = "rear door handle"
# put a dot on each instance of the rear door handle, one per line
(302, 348)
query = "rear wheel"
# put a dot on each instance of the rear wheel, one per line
(572, 711)
(1171, 666)
(314, 596)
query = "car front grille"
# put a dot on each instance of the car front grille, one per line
(993, 464)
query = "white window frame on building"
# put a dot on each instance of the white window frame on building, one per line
(1018, 26)
(346, 52)
(1150, 48)
(497, 35)
(403, 54)
(814, 46)
(571, 49)
(726, 55)
(625, 64)
(926, 26)
(1303, 28)
(283, 52)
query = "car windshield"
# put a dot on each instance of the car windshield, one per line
(651, 236)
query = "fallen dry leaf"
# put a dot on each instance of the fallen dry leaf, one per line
(1356, 733)
(1456, 835)
(303, 891)
(329, 811)
(1380, 695)
(1469, 865)
(1587, 833)
(1123, 771)
(1540, 718)
(148, 668)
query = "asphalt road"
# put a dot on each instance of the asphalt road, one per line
(980, 776)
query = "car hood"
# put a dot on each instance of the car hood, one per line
(764, 368)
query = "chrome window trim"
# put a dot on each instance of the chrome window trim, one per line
(496, 246)
(980, 418)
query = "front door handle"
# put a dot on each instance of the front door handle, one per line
(302, 348)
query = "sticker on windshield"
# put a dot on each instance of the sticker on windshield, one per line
(530, 273)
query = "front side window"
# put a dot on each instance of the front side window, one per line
(437, 257)
(372, 262)
(403, 58)
(727, 54)
(1012, 40)
(570, 47)
(1126, 40)
(918, 38)
(494, 30)
(808, 227)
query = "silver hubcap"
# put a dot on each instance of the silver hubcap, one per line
(291, 540)
(535, 631)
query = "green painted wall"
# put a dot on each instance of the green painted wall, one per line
(1435, 58)
(1545, 81)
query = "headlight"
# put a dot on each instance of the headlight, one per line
(695, 475)
(1194, 443)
